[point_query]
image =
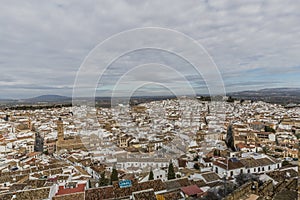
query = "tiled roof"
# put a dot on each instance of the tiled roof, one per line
(173, 195)
(207, 159)
(40, 193)
(250, 162)
(199, 183)
(62, 190)
(115, 192)
(36, 183)
(287, 194)
(16, 187)
(98, 169)
(191, 190)
(79, 196)
(177, 183)
(100, 193)
(144, 195)
(231, 165)
(282, 175)
(214, 184)
(275, 160)
(82, 171)
(210, 177)
(264, 161)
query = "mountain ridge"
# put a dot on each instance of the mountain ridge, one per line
(272, 95)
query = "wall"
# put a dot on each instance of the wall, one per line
(242, 191)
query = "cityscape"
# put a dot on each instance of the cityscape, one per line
(149, 100)
(166, 149)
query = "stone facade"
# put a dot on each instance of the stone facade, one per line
(247, 188)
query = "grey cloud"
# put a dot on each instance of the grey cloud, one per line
(44, 43)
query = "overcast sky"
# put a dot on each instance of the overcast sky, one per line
(255, 44)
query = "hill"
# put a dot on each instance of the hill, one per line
(272, 95)
(47, 98)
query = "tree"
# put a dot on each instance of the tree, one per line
(103, 181)
(230, 187)
(217, 152)
(269, 129)
(244, 178)
(196, 158)
(285, 163)
(171, 173)
(196, 166)
(265, 150)
(151, 175)
(114, 175)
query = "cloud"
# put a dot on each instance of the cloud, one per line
(43, 43)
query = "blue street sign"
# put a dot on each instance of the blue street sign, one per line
(125, 183)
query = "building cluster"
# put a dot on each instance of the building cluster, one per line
(126, 152)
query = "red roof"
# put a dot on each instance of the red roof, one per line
(62, 190)
(240, 145)
(191, 190)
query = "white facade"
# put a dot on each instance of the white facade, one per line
(141, 163)
(228, 173)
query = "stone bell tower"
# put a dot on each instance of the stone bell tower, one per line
(60, 134)
(60, 130)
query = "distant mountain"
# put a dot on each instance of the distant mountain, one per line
(47, 98)
(271, 95)
(4, 101)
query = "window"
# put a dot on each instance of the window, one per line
(216, 170)
(231, 173)
(263, 169)
(241, 171)
(254, 169)
(259, 169)
(269, 168)
(248, 171)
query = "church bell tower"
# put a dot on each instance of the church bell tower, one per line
(60, 130)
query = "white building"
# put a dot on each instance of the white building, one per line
(141, 163)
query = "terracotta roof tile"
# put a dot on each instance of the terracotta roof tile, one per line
(191, 190)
